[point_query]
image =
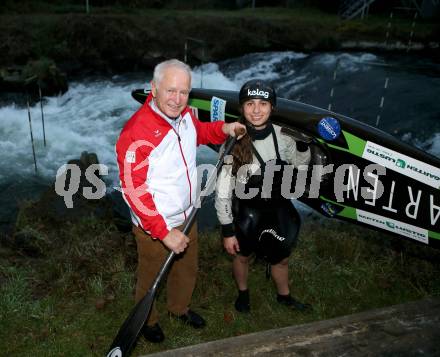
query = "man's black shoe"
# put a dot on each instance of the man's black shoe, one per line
(153, 333)
(192, 318)
(242, 303)
(288, 300)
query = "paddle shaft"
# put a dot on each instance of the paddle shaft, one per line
(192, 216)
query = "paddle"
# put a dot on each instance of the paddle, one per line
(129, 331)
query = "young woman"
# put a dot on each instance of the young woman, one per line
(265, 223)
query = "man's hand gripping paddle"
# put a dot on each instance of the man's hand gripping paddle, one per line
(129, 331)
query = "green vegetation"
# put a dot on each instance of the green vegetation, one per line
(128, 38)
(66, 291)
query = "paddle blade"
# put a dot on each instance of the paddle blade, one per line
(129, 331)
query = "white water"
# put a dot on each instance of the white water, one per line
(86, 118)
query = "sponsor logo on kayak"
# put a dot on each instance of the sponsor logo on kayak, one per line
(391, 225)
(218, 106)
(329, 128)
(403, 164)
(400, 163)
(258, 93)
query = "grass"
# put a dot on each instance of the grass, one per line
(71, 297)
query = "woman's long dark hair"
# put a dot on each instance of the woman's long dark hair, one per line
(242, 151)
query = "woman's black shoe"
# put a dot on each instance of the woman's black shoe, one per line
(153, 333)
(242, 303)
(288, 300)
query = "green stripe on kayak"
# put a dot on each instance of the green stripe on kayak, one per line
(434, 235)
(356, 145)
(142, 94)
(347, 212)
(200, 104)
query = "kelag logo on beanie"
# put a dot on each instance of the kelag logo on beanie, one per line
(257, 89)
(257, 92)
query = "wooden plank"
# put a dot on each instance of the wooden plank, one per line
(401, 330)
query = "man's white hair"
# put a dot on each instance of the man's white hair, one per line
(160, 68)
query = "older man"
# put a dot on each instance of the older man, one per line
(156, 154)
